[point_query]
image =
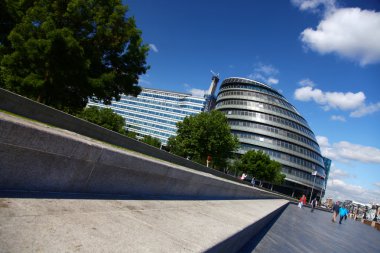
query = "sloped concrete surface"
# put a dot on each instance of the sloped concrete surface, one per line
(37, 157)
(93, 225)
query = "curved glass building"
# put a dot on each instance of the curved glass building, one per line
(263, 119)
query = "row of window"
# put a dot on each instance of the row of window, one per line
(272, 118)
(275, 130)
(264, 106)
(157, 107)
(154, 133)
(285, 157)
(181, 105)
(150, 112)
(167, 97)
(279, 143)
(250, 87)
(302, 174)
(257, 95)
(144, 123)
(144, 117)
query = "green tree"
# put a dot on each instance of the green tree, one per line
(203, 135)
(63, 52)
(151, 141)
(132, 135)
(259, 165)
(104, 117)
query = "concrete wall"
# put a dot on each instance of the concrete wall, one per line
(37, 157)
(25, 107)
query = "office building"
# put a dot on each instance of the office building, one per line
(156, 112)
(263, 119)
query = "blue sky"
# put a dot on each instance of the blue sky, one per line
(322, 55)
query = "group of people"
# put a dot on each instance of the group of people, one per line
(302, 202)
(339, 210)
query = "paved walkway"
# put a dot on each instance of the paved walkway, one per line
(299, 230)
(107, 225)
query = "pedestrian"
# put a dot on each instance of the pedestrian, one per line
(253, 181)
(342, 214)
(302, 201)
(335, 211)
(313, 204)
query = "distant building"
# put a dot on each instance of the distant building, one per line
(156, 112)
(262, 119)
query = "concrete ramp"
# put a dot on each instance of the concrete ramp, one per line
(78, 225)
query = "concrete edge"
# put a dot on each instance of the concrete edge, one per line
(238, 241)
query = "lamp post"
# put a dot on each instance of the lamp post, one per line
(314, 173)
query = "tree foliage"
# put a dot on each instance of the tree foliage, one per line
(203, 135)
(259, 165)
(104, 117)
(61, 52)
(151, 141)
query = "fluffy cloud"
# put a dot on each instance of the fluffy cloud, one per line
(349, 101)
(352, 33)
(345, 151)
(336, 100)
(197, 92)
(340, 190)
(338, 173)
(153, 48)
(338, 118)
(265, 73)
(364, 110)
(377, 184)
(315, 5)
(307, 82)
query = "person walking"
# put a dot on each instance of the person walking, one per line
(253, 181)
(342, 214)
(335, 211)
(313, 204)
(302, 201)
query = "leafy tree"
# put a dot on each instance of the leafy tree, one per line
(104, 117)
(203, 135)
(151, 141)
(259, 165)
(132, 135)
(63, 52)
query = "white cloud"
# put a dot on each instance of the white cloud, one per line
(143, 82)
(364, 110)
(338, 118)
(322, 141)
(345, 151)
(349, 32)
(153, 47)
(377, 184)
(272, 80)
(265, 73)
(306, 82)
(336, 100)
(314, 5)
(340, 190)
(338, 173)
(197, 92)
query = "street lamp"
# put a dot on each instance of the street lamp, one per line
(314, 173)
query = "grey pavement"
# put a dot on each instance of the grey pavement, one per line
(110, 225)
(299, 230)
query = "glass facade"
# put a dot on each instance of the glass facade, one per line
(263, 119)
(155, 112)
